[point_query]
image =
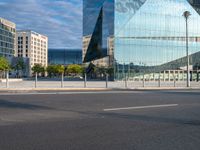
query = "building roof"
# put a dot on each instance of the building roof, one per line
(7, 22)
(30, 31)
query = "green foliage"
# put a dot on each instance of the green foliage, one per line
(38, 68)
(53, 70)
(74, 69)
(4, 64)
(60, 69)
(20, 65)
(110, 71)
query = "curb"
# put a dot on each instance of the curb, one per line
(38, 90)
(15, 90)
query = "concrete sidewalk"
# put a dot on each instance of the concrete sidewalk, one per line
(28, 86)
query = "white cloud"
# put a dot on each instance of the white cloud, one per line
(60, 20)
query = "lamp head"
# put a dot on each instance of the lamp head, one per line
(186, 14)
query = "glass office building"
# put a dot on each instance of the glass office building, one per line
(149, 36)
(98, 28)
(7, 38)
(64, 56)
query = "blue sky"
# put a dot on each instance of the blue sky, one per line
(60, 20)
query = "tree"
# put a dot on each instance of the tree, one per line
(74, 69)
(60, 69)
(20, 66)
(4, 65)
(38, 68)
(51, 70)
(54, 70)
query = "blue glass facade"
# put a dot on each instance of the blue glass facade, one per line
(149, 37)
(98, 23)
(7, 38)
(64, 56)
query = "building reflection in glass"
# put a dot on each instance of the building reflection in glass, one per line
(64, 56)
(149, 37)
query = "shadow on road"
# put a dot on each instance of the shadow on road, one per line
(152, 119)
(18, 105)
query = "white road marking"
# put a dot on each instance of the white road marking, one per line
(140, 107)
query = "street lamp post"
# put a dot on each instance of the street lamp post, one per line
(186, 15)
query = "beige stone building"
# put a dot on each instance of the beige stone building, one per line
(103, 62)
(34, 46)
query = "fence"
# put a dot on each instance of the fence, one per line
(84, 83)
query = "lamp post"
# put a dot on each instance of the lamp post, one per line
(186, 15)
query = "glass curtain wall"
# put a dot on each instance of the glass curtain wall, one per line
(64, 56)
(150, 39)
(98, 26)
(7, 40)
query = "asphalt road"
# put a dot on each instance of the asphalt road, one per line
(113, 120)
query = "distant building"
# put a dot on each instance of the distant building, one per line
(7, 38)
(65, 56)
(34, 46)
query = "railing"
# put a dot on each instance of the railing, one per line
(65, 83)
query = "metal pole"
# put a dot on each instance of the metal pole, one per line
(85, 81)
(126, 85)
(174, 80)
(188, 59)
(187, 14)
(159, 82)
(106, 80)
(143, 80)
(36, 80)
(62, 78)
(7, 79)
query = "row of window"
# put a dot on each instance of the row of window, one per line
(21, 46)
(6, 50)
(21, 42)
(21, 55)
(7, 45)
(7, 33)
(21, 51)
(38, 40)
(21, 38)
(6, 39)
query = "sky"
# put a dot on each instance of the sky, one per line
(60, 20)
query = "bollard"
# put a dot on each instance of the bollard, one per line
(36, 80)
(159, 83)
(143, 80)
(106, 80)
(126, 85)
(174, 81)
(7, 79)
(85, 81)
(62, 79)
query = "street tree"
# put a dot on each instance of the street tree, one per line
(51, 70)
(4, 65)
(60, 69)
(19, 66)
(74, 69)
(38, 68)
